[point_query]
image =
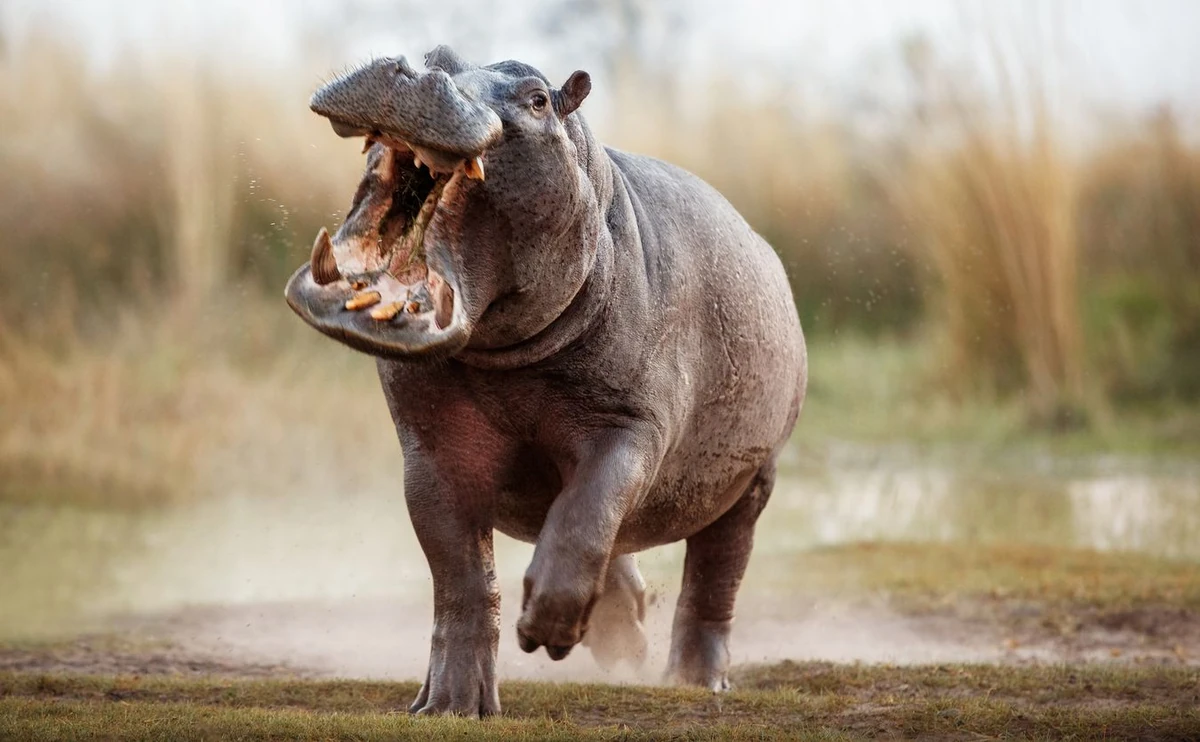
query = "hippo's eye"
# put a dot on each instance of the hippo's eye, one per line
(539, 101)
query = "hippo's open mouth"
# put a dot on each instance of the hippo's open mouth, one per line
(388, 283)
(375, 285)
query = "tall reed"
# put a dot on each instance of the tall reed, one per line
(993, 192)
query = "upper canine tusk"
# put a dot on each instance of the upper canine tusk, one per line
(474, 168)
(323, 265)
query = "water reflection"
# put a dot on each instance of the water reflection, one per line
(851, 494)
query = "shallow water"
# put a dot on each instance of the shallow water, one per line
(67, 568)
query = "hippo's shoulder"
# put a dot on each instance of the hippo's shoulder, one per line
(677, 204)
(654, 179)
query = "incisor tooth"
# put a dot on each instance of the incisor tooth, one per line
(387, 311)
(474, 168)
(413, 307)
(363, 300)
(416, 161)
(367, 144)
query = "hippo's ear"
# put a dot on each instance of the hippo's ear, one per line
(572, 93)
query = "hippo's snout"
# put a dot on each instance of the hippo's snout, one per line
(387, 99)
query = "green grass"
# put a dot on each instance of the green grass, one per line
(789, 700)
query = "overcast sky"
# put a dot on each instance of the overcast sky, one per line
(1125, 52)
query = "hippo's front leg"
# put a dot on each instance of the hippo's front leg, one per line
(455, 531)
(566, 576)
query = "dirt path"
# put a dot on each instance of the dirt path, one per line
(388, 639)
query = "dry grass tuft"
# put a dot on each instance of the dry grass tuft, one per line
(993, 192)
(152, 177)
(177, 405)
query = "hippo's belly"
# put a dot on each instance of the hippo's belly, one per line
(683, 499)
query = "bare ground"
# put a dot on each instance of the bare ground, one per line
(388, 639)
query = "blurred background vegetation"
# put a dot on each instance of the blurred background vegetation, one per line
(996, 258)
(966, 264)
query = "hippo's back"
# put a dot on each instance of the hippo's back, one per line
(729, 333)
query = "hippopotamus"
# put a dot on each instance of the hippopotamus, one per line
(582, 348)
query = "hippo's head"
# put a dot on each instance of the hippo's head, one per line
(456, 234)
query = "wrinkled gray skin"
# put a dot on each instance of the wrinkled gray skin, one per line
(623, 366)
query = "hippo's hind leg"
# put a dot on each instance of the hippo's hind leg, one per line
(615, 630)
(712, 572)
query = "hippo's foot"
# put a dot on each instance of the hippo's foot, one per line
(555, 610)
(615, 632)
(700, 653)
(462, 678)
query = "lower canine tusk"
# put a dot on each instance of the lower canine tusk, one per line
(323, 266)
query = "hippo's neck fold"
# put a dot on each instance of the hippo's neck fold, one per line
(571, 324)
(594, 293)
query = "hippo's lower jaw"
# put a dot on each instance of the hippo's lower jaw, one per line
(379, 295)
(387, 330)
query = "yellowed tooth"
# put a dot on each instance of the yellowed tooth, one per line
(413, 307)
(416, 161)
(386, 312)
(367, 142)
(363, 300)
(358, 285)
(474, 168)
